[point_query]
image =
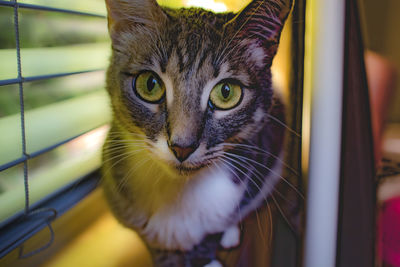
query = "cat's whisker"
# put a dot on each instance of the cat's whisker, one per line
(128, 144)
(271, 228)
(276, 203)
(119, 154)
(282, 213)
(267, 168)
(238, 203)
(282, 196)
(113, 155)
(106, 169)
(260, 190)
(123, 156)
(258, 176)
(157, 180)
(125, 179)
(126, 133)
(261, 151)
(128, 137)
(120, 148)
(131, 137)
(122, 183)
(129, 141)
(283, 124)
(227, 159)
(255, 172)
(134, 138)
(260, 227)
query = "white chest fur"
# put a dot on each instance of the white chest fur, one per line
(205, 205)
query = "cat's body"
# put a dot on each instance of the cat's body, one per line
(192, 149)
(177, 213)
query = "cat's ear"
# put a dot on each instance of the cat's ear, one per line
(125, 14)
(261, 21)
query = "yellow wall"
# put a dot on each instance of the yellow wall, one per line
(232, 5)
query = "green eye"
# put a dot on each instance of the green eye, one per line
(148, 87)
(226, 95)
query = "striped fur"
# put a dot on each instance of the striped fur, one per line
(182, 209)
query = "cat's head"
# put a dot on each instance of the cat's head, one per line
(188, 81)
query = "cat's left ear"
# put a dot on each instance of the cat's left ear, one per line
(128, 14)
(261, 21)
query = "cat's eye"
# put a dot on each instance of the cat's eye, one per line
(148, 87)
(226, 95)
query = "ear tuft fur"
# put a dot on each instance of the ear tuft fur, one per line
(262, 20)
(128, 13)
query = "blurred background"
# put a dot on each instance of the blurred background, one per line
(381, 22)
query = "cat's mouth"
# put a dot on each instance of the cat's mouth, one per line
(185, 169)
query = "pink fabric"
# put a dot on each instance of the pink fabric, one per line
(389, 232)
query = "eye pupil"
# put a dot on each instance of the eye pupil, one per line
(151, 83)
(225, 90)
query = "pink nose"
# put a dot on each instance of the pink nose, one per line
(182, 153)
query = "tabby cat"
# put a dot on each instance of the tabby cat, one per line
(194, 144)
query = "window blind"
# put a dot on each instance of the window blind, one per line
(53, 108)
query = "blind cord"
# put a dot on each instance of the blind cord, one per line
(28, 213)
(23, 255)
(22, 105)
(41, 213)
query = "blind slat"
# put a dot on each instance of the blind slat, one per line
(55, 60)
(15, 234)
(54, 123)
(46, 182)
(47, 8)
(43, 77)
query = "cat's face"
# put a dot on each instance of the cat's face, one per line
(187, 82)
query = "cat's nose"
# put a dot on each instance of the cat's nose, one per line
(182, 152)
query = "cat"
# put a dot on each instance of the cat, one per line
(194, 144)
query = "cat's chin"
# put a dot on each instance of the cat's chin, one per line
(188, 170)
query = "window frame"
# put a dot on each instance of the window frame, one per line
(20, 227)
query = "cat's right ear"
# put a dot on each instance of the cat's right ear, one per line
(261, 22)
(127, 14)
